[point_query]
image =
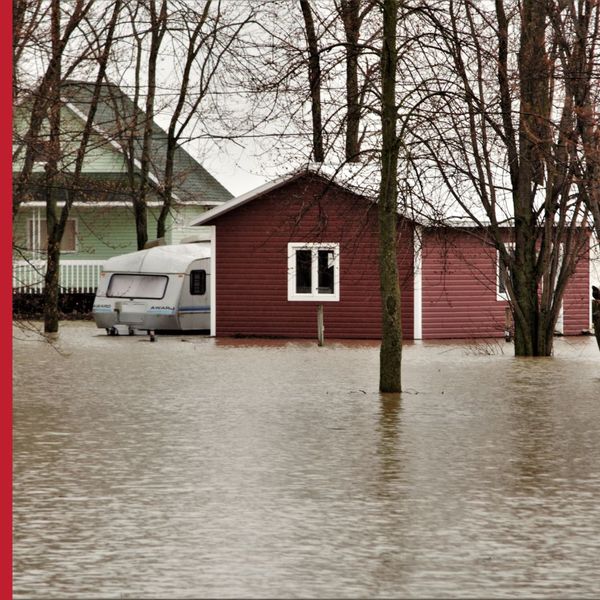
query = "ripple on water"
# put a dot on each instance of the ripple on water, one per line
(245, 468)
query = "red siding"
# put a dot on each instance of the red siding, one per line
(251, 264)
(576, 301)
(459, 288)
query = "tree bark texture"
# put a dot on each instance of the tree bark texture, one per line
(314, 79)
(596, 319)
(390, 356)
(350, 12)
(509, 118)
(175, 126)
(51, 278)
(533, 335)
(157, 32)
(57, 219)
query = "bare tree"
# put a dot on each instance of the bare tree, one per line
(576, 26)
(500, 142)
(390, 357)
(206, 41)
(146, 69)
(44, 116)
(352, 14)
(200, 39)
(336, 45)
(31, 43)
(57, 220)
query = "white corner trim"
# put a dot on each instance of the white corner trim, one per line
(213, 281)
(590, 277)
(418, 282)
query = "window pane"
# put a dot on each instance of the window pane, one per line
(68, 240)
(303, 272)
(504, 272)
(326, 266)
(38, 236)
(198, 282)
(137, 286)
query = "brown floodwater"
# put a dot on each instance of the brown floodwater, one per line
(202, 468)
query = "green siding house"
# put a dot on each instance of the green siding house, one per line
(101, 222)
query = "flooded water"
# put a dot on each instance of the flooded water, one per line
(201, 468)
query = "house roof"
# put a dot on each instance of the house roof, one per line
(115, 115)
(362, 180)
(248, 197)
(352, 178)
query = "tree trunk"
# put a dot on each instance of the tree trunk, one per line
(157, 32)
(51, 281)
(167, 196)
(51, 286)
(596, 319)
(530, 337)
(390, 356)
(351, 20)
(314, 78)
(140, 214)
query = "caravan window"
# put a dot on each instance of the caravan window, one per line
(137, 286)
(198, 282)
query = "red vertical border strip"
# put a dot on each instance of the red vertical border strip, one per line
(6, 302)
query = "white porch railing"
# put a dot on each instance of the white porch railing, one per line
(76, 276)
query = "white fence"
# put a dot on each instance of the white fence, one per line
(76, 276)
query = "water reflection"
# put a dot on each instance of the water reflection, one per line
(389, 423)
(234, 468)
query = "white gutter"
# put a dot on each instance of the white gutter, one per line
(213, 281)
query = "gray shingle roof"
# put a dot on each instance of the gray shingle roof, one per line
(114, 117)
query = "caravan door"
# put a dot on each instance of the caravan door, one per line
(194, 306)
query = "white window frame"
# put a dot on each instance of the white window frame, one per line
(314, 295)
(42, 138)
(502, 296)
(34, 235)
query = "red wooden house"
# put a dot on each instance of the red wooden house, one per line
(280, 251)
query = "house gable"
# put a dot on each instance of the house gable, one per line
(115, 115)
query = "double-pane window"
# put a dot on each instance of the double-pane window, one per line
(313, 271)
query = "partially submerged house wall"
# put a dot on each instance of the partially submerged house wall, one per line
(460, 291)
(459, 286)
(252, 263)
(576, 301)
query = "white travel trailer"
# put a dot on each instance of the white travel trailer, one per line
(159, 288)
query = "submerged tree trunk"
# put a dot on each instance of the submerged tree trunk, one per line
(390, 356)
(531, 338)
(51, 279)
